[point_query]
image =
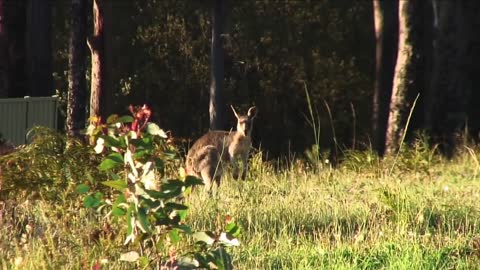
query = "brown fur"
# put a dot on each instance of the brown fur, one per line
(210, 152)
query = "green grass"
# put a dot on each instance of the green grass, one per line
(423, 215)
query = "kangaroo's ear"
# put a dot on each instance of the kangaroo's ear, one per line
(233, 109)
(252, 112)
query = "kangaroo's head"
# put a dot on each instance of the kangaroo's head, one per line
(245, 122)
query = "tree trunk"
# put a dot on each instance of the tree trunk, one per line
(386, 34)
(96, 45)
(217, 100)
(3, 53)
(39, 48)
(77, 92)
(405, 79)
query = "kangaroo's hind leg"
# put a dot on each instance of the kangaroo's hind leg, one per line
(209, 166)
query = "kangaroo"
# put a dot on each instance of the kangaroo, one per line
(205, 157)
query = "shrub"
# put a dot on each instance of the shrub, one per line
(144, 201)
(45, 166)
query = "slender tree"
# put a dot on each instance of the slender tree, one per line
(96, 45)
(39, 47)
(77, 92)
(217, 100)
(405, 78)
(386, 42)
(3, 53)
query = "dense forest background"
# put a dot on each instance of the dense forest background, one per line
(158, 53)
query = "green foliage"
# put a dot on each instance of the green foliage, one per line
(271, 50)
(46, 166)
(356, 217)
(144, 201)
(362, 161)
(418, 155)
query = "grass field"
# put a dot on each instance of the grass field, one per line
(421, 213)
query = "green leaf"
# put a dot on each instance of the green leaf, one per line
(112, 119)
(107, 164)
(144, 143)
(144, 262)
(222, 259)
(110, 141)
(91, 201)
(193, 181)
(139, 154)
(184, 228)
(170, 155)
(147, 141)
(130, 219)
(174, 183)
(116, 210)
(166, 193)
(233, 229)
(151, 204)
(202, 260)
(143, 220)
(120, 185)
(154, 129)
(139, 143)
(205, 237)
(174, 236)
(113, 160)
(98, 195)
(90, 178)
(122, 141)
(116, 157)
(175, 206)
(170, 193)
(182, 214)
(156, 194)
(159, 164)
(82, 189)
(187, 191)
(114, 176)
(125, 119)
(161, 218)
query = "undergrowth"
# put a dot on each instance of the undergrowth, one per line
(423, 214)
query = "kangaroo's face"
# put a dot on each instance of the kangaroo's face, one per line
(245, 122)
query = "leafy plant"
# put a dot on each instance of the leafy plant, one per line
(45, 166)
(419, 155)
(362, 161)
(146, 202)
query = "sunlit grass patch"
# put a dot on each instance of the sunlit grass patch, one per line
(292, 217)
